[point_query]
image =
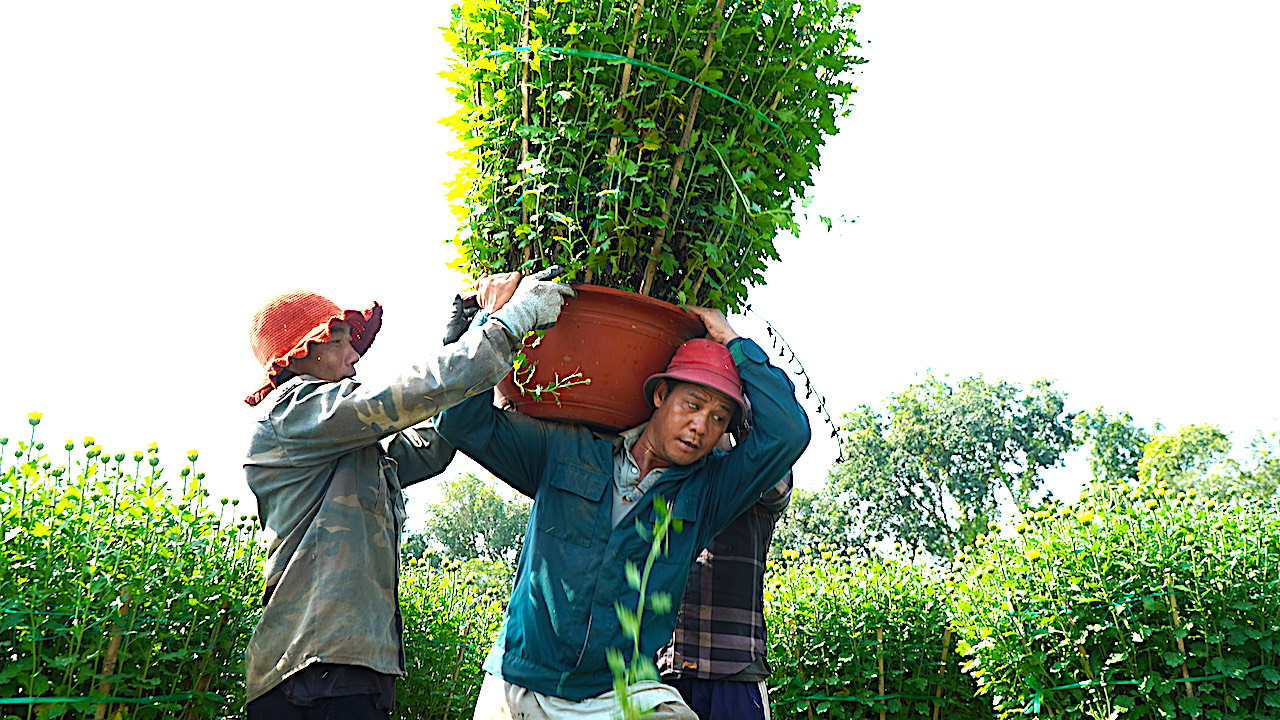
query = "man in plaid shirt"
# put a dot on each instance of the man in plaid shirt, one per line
(717, 655)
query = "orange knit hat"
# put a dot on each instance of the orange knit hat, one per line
(286, 325)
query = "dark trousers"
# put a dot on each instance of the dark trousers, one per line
(274, 706)
(722, 699)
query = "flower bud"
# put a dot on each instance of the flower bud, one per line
(69, 446)
(192, 455)
(34, 418)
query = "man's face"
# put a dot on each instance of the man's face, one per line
(687, 424)
(334, 360)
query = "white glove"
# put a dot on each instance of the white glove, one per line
(534, 306)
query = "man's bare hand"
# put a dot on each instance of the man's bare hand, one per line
(716, 323)
(493, 291)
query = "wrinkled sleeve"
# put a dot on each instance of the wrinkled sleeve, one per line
(510, 445)
(777, 498)
(780, 434)
(420, 453)
(323, 420)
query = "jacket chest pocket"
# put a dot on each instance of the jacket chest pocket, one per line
(381, 494)
(570, 506)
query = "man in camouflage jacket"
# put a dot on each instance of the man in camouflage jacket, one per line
(328, 460)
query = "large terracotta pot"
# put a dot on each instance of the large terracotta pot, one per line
(615, 338)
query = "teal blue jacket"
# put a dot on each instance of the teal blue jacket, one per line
(561, 618)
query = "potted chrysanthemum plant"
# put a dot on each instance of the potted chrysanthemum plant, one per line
(654, 149)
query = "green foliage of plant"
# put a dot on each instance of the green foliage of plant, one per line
(1139, 602)
(853, 638)
(929, 473)
(656, 146)
(115, 584)
(639, 668)
(452, 612)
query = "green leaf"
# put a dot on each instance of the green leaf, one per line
(1190, 705)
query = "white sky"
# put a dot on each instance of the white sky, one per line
(1087, 196)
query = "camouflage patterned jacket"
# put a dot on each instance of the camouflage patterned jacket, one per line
(331, 507)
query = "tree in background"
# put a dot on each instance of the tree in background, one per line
(1197, 457)
(817, 518)
(1116, 443)
(472, 521)
(929, 474)
(1261, 478)
(1181, 458)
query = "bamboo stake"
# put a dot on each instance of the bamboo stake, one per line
(778, 95)
(942, 668)
(109, 662)
(1182, 647)
(457, 670)
(626, 71)
(1084, 660)
(880, 667)
(651, 268)
(204, 677)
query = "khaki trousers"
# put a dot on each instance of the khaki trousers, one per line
(500, 700)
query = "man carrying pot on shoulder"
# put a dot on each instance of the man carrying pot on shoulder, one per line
(590, 491)
(328, 459)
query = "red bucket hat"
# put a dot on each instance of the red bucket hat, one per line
(707, 363)
(286, 325)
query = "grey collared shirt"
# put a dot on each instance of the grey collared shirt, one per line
(628, 486)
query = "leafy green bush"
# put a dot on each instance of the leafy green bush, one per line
(854, 638)
(452, 612)
(1138, 602)
(120, 595)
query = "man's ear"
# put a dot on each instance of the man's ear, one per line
(660, 392)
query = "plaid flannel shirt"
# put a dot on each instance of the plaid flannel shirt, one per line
(721, 631)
